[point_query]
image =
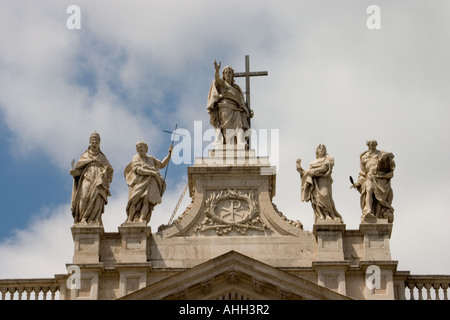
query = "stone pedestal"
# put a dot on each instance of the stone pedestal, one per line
(330, 265)
(132, 277)
(87, 256)
(331, 275)
(231, 191)
(87, 243)
(376, 240)
(134, 257)
(376, 260)
(329, 237)
(88, 283)
(134, 242)
(379, 279)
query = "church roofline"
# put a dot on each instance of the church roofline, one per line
(235, 264)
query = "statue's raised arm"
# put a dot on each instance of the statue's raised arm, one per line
(145, 182)
(226, 106)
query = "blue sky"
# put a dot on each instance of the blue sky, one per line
(136, 68)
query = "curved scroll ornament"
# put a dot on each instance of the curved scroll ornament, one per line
(231, 210)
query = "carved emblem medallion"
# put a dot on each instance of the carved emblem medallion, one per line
(228, 210)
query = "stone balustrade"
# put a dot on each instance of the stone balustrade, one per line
(417, 287)
(29, 289)
(427, 287)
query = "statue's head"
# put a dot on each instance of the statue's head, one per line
(94, 136)
(94, 141)
(372, 144)
(141, 147)
(321, 151)
(228, 74)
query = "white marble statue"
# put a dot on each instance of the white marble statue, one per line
(92, 175)
(229, 115)
(316, 186)
(374, 183)
(146, 185)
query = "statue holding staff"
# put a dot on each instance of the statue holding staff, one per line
(146, 185)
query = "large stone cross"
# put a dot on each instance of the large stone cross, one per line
(247, 74)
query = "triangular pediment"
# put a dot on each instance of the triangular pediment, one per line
(234, 276)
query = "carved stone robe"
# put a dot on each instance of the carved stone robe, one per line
(147, 185)
(377, 170)
(93, 175)
(229, 111)
(316, 187)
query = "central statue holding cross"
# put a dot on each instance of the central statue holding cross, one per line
(229, 114)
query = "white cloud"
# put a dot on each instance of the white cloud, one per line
(40, 250)
(45, 246)
(149, 66)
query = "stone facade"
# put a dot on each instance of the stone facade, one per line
(231, 242)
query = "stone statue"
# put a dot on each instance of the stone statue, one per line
(374, 184)
(229, 115)
(92, 176)
(316, 185)
(146, 185)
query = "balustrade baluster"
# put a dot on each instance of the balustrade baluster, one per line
(444, 288)
(419, 289)
(428, 288)
(19, 293)
(29, 291)
(436, 287)
(411, 287)
(53, 292)
(37, 290)
(45, 291)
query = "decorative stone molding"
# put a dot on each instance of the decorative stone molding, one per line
(284, 295)
(206, 286)
(233, 276)
(258, 285)
(181, 295)
(228, 210)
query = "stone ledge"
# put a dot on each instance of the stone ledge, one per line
(231, 156)
(96, 266)
(320, 264)
(381, 227)
(328, 226)
(138, 265)
(87, 229)
(384, 264)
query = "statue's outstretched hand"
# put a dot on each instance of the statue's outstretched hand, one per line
(298, 165)
(217, 66)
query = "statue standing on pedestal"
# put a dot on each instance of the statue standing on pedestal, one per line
(146, 185)
(374, 184)
(92, 176)
(229, 115)
(316, 185)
